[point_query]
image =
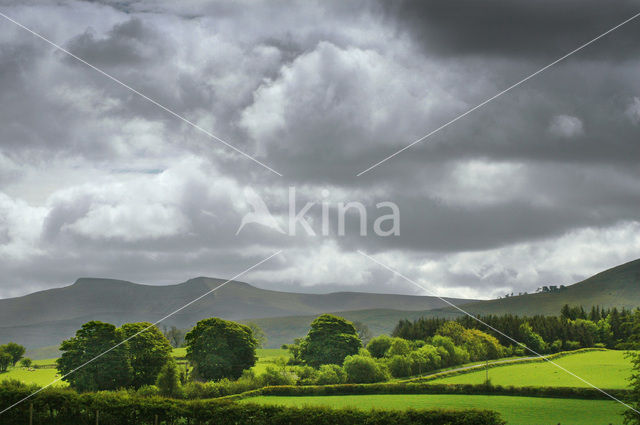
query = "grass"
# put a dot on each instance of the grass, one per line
(604, 369)
(40, 377)
(515, 410)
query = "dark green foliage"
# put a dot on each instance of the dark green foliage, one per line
(220, 349)
(26, 362)
(362, 369)
(399, 366)
(15, 350)
(329, 341)
(174, 335)
(331, 374)
(5, 361)
(56, 406)
(631, 417)
(148, 352)
(168, 381)
(379, 345)
(531, 339)
(614, 328)
(110, 371)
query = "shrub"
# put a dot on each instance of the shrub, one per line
(360, 369)
(399, 347)
(148, 391)
(379, 345)
(556, 346)
(571, 345)
(331, 374)
(168, 381)
(276, 376)
(26, 362)
(399, 366)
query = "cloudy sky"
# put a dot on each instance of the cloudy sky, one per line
(538, 187)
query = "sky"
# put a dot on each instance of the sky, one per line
(538, 187)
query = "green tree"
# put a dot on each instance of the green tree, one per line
(220, 349)
(26, 362)
(168, 381)
(632, 417)
(532, 339)
(258, 334)
(148, 351)
(174, 335)
(400, 366)
(362, 369)
(399, 347)
(379, 345)
(5, 361)
(329, 341)
(88, 372)
(15, 350)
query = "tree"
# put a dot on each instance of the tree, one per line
(174, 335)
(364, 333)
(632, 417)
(26, 362)
(399, 347)
(5, 361)
(168, 381)
(258, 334)
(532, 339)
(363, 369)
(379, 345)
(110, 371)
(400, 366)
(15, 350)
(148, 351)
(329, 341)
(220, 349)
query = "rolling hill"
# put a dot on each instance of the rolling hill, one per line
(46, 317)
(615, 287)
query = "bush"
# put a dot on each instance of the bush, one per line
(399, 347)
(60, 406)
(399, 366)
(556, 346)
(275, 376)
(168, 381)
(331, 374)
(360, 369)
(26, 362)
(379, 345)
(571, 345)
(148, 391)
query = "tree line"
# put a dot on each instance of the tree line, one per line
(573, 328)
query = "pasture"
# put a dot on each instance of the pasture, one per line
(604, 369)
(515, 410)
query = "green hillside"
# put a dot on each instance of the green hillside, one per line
(45, 318)
(615, 287)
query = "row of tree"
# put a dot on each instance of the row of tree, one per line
(573, 328)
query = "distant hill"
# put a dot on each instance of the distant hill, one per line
(615, 287)
(47, 317)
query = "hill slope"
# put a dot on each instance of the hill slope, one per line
(46, 317)
(615, 287)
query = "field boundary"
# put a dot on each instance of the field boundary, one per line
(422, 388)
(481, 366)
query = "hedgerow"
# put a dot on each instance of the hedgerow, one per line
(58, 406)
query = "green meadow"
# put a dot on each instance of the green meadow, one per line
(515, 410)
(604, 369)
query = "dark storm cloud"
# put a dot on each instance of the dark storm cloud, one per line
(526, 29)
(319, 91)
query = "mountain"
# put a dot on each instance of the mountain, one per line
(615, 287)
(47, 317)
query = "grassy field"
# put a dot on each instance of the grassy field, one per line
(515, 410)
(604, 369)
